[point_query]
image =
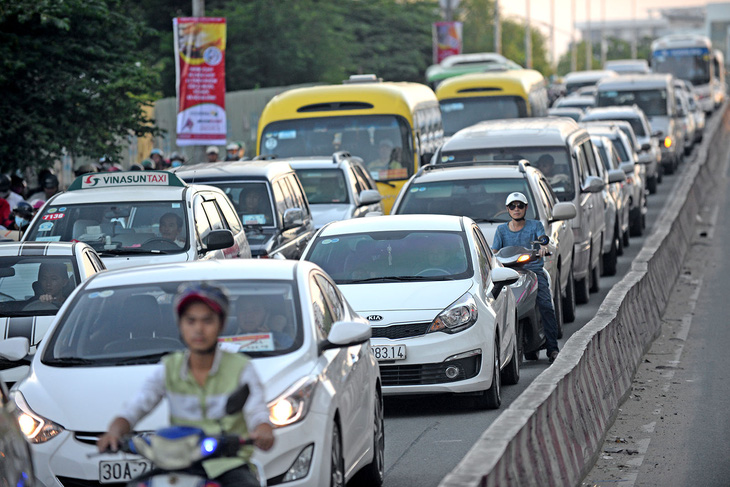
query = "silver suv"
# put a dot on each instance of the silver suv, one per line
(479, 190)
(563, 151)
(648, 149)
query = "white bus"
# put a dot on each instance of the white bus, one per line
(689, 57)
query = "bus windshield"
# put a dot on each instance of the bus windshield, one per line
(382, 141)
(458, 113)
(691, 64)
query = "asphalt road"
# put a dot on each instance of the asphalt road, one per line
(673, 429)
(426, 436)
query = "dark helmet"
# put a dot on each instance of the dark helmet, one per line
(136, 167)
(50, 181)
(4, 182)
(24, 210)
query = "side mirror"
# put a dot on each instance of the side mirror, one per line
(369, 197)
(593, 184)
(627, 167)
(501, 277)
(616, 176)
(14, 349)
(426, 158)
(564, 211)
(646, 146)
(219, 239)
(658, 134)
(293, 217)
(346, 334)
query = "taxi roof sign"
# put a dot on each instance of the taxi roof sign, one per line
(126, 178)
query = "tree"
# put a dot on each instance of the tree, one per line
(71, 80)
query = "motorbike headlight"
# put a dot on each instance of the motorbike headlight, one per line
(293, 405)
(667, 142)
(35, 427)
(458, 317)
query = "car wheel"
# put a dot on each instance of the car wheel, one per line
(582, 290)
(532, 355)
(619, 239)
(669, 168)
(626, 236)
(660, 173)
(635, 227)
(610, 260)
(569, 300)
(511, 373)
(492, 397)
(596, 276)
(373, 473)
(558, 307)
(337, 461)
(651, 184)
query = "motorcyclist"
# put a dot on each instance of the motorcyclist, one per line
(522, 232)
(202, 374)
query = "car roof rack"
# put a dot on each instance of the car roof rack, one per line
(521, 163)
(338, 156)
(265, 157)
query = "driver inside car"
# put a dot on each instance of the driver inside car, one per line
(170, 226)
(52, 286)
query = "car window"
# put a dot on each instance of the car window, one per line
(88, 264)
(323, 317)
(214, 217)
(35, 286)
(232, 220)
(393, 256)
(280, 198)
(582, 164)
(202, 225)
(300, 201)
(97, 261)
(483, 264)
(357, 180)
(364, 180)
(545, 195)
(334, 300)
(590, 159)
(324, 186)
(287, 193)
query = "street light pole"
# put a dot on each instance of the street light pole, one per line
(528, 38)
(603, 33)
(573, 44)
(198, 8)
(553, 60)
(497, 29)
(589, 43)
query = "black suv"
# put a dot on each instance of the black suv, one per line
(268, 197)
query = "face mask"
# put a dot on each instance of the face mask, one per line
(176, 164)
(20, 221)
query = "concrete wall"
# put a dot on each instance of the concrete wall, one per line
(552, 434)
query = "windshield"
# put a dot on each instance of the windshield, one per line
(463, 112)
(117, 228)
(554, 162)
(393, 256)
(324, 186)
(692, 64)
(652, 102)
(482, 200)
(137, 324)
(252, 201)
(382, 141)
(35, 286)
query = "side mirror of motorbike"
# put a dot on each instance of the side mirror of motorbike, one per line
(237, 400)
(543, 240)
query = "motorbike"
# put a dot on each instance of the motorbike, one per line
(530, 333)
(178, 452)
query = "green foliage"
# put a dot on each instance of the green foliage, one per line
(71, 80)
(615, 49)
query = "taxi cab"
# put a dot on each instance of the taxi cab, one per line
(140, 218)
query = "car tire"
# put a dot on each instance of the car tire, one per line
(569, 300)
(511, 373)
(660, 173)
(582, 290)
(625, 237)
(651, 184)
(596, 276)
(532, 355)
(492, 397)
(636, 228)
(558, 307)
(610, 260)
(373, 473)
(619, 240)
(337, 460)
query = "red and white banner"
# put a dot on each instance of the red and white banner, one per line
(200, 67)
(446, 40)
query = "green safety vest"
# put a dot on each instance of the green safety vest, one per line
(204, 406)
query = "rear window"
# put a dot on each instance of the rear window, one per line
(652, 102)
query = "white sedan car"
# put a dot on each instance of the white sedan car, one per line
(442, 315)
(309, 347)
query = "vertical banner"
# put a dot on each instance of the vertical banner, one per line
(446, 40)
(200, 68)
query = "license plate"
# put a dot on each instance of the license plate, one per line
(122, 470)
(389, 352)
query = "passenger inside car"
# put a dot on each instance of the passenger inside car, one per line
(254, 206)
(52, 287)
(260, 314)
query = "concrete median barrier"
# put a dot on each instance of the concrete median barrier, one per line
(552, 433)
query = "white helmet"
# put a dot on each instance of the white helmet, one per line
(516, 196)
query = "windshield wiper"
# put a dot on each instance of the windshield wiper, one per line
(131, 250)
(69, 361)
(397, 279)
(151, 358)
(488, 220)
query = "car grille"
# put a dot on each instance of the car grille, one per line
(421, 374)
(400, 331)
(69, 482)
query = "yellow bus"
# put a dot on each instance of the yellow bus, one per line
(394, 127)
(472, 98)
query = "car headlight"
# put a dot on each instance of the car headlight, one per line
(293, 405)
(667, 142)
(36, 428)
(457, 317)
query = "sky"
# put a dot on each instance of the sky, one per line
(614, 10)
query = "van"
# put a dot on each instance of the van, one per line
(472, 98)
(269, 199)
(654, 94)
(578, 79)
(574, 177)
